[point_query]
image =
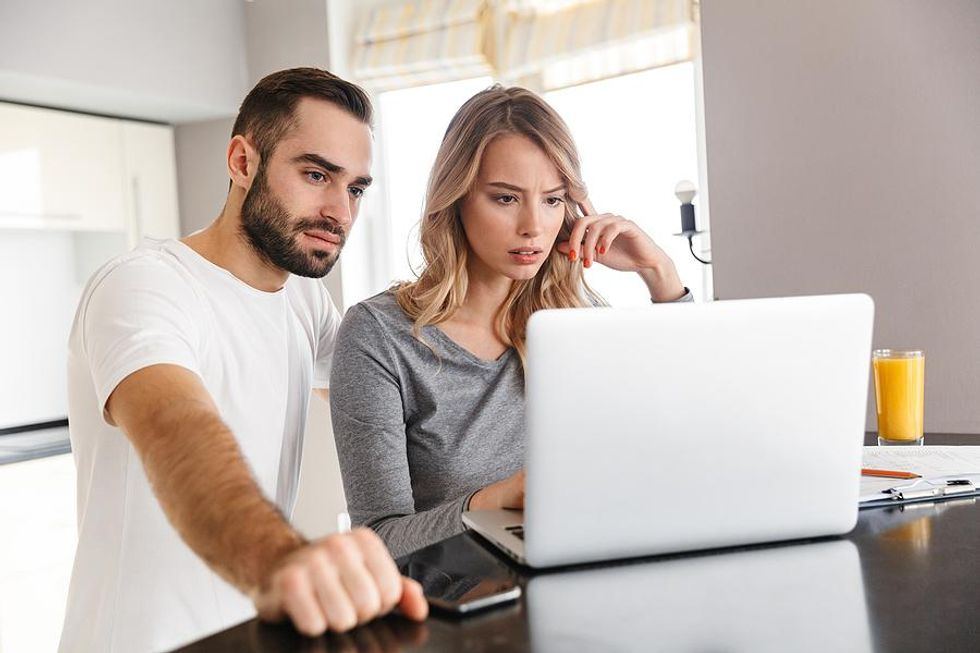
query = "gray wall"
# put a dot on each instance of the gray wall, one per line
(283, 37)
(843, 147)
(170, 61)
(202, 174)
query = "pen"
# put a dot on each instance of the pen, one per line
(887, 473)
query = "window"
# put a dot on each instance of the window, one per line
(636, 136)
(413, 122)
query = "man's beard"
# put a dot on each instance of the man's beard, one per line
(271, 231)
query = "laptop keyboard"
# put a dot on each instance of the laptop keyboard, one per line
(516, 531)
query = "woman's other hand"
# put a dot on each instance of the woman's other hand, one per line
(508, 493)
(620, 244)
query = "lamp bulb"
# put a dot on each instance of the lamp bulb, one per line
(685, 191)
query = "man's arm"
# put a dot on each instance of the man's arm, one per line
(205, 487)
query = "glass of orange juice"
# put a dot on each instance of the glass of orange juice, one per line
(899, 394)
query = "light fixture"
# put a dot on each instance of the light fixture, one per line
(685, 192)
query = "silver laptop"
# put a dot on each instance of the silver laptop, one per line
(685, 427)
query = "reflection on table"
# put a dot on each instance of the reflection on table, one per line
(771, 599)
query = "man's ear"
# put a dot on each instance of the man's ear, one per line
(243, 162)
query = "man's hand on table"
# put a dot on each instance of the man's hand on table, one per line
(337, 583)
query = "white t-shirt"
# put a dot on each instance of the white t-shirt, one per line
(136, 586)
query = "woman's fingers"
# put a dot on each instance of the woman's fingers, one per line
(578, 229)
(515, 491)
(576, 239)
(597, 239)
(610, 234)
(576, 236)
(593, 236)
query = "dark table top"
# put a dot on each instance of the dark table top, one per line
(906, 579)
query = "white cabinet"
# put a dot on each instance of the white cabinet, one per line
(60, 170)
(71, 172)
(151, 181)
(75, 191)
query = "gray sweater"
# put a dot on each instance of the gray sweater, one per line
(418, 431)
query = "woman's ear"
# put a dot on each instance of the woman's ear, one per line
(243, 162)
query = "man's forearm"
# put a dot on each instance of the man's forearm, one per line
(208, 493)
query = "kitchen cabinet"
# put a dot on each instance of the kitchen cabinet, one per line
(71, 172)
(151, 181)
(60, 170)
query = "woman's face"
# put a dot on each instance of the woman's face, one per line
(514, 211)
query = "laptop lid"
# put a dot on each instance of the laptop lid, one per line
(693, 426)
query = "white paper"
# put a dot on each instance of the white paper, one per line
(928, 462)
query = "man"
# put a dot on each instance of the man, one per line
(191, 364)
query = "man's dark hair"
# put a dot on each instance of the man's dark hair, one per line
(268, 111)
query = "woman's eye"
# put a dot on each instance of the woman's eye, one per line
(316, 176)
(555, 201)
(506, 199)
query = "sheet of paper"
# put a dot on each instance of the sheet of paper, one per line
(929, 462)
(925, 461)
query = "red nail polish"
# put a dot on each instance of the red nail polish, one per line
(587, 263)
(572, 255)
(602, 250)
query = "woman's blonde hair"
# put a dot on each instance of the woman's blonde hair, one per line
(441, 286)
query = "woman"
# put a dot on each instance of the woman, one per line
(427, 384)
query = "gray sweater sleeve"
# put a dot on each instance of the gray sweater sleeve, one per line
(688, 296)
(366, 404)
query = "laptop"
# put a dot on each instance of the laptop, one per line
(688, 426)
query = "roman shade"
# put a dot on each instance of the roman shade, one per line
(541, 44)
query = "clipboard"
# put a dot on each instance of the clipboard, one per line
(946, 472)
(922, 489)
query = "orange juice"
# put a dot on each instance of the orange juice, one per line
(899, 394)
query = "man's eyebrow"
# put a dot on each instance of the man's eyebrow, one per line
(503, 184)
(329, 166)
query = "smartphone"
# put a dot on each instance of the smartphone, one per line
(461, 593)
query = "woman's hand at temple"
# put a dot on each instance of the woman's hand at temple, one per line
(508, 493)
(620, 244)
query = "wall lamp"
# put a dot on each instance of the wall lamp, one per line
(685, 192)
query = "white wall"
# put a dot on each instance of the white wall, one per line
(42, 321)
(843, 147)
(170, 61)
(34, 336)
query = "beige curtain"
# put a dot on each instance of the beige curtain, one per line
(541, 44)
(418, 42)
(589, 40)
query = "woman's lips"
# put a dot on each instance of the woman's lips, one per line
(525, 256)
